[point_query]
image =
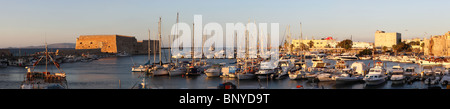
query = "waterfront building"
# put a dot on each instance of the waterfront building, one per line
(328, 42)
(383, 39)
(362, 45)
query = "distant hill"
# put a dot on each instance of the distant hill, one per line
(55, 45)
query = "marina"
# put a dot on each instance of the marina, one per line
(114, 72)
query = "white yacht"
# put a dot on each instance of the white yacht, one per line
(427, 71)
(141, 68)
(376, 75)
(285, 68)
(214, 70)
(429, 62)
(410, 71)
(353, 74)
(299, 73)
(318, 63)
(266, 70)
(348, 57)
(397, 75)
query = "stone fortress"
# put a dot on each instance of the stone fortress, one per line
(116, 44)
(437, 45)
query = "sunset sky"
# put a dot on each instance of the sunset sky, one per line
(30, 22)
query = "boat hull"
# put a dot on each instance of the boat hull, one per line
(138, 69)
(212, 74)
(160, 72)
(374, 82)
(343, 80)
(177, 72)
(295, 76)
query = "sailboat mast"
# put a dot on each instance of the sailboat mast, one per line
(148, 43)
(46, 54)
(177, 33)
(192, 47)
(159, 34)
(170, 54)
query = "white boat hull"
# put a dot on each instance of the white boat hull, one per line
(212, 74)
(138, 69)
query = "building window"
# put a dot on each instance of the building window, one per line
(81, 42)
(91, 42)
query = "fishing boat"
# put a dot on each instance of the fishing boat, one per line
(214, 70)
(376, 75)
(266, 70)
(45, 79)
(397, 75)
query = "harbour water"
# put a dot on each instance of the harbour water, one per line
(115, 73)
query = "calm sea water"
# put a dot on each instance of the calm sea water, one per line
(106, 73)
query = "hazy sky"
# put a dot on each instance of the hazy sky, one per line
(27, 22)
